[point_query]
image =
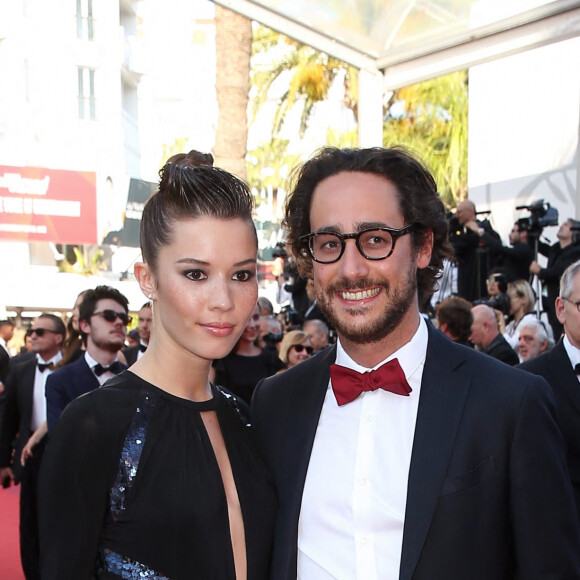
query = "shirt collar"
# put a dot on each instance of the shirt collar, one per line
(411, 355)
(91, 361)
(54, 360)
(572, 352)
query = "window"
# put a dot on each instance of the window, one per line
(86, 77)
(85, 21)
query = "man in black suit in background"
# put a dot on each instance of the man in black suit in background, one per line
(103, 319)
(6, 333)
(561, 368)
(397, 453)
(485, 335)
(560, 255)
(24, 413)
(134, 353)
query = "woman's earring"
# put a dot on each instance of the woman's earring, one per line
(150, 296)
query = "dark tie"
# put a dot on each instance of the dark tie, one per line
(348, 384)
(43, 366)
(142, 347)
(114, 368)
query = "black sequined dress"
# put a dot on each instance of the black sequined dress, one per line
(130, 488)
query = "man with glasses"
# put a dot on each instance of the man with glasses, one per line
(560, 366)
(24, 413)
(397, 453)
(103, 319)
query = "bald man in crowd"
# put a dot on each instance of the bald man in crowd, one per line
(486, 336)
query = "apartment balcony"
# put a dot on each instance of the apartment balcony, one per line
(134, 61)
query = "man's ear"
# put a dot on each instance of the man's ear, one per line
(560, 313)
(146, 279)
(84, 326)
(425, 251)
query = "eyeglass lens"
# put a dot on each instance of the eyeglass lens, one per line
(373, 244)
(301, 347)
(38, 331)
(111, 316)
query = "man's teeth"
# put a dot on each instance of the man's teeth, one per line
(360, 295)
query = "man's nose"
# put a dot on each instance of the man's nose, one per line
(353, 264)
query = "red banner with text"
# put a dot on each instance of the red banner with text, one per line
(48, 205)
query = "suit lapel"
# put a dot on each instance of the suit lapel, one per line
(311, 399)
(560, 367)
(444, 388)
(27, 386)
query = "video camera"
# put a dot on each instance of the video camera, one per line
(542, 214)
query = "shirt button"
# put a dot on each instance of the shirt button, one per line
(363, 481)
(370, 418)
(364, 541)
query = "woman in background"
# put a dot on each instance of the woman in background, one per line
(248, 363)
(295, 348)
(156, 474)
(522, 300)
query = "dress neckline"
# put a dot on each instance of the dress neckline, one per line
(209, 405)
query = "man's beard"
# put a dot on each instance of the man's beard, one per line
(108, 345)
(399, 302)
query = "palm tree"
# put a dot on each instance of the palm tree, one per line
(233, 52)
(311, 74)
(431, 118)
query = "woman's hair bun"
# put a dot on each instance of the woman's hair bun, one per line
(192, 159)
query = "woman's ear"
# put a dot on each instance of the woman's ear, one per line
(146, 279)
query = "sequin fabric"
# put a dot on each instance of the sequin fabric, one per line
(124, 567)
(130, 456)
(233, 401)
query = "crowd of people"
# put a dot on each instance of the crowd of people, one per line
(346, 432)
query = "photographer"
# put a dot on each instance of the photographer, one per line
(291, 286)
(560, 255)
(515, 261)
(473, 255)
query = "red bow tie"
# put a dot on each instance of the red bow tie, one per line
(348, 384)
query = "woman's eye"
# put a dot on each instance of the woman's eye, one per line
(244, 276)
(195, 275)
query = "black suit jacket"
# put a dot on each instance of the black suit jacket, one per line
(4, 364)
(65, 385)
(17, 414)
(131, 353)
(556, 368)
(489, 494)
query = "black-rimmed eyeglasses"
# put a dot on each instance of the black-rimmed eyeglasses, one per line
(111, 316)
(577, 304)
(373, 243)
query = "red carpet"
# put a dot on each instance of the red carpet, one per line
(10, 568)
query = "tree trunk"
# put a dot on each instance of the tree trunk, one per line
(233, 52)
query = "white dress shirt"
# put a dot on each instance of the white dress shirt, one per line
(572, 352)
(38, 416)
(5, 346)
(355, 493)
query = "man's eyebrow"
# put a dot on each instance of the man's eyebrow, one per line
(359, 227)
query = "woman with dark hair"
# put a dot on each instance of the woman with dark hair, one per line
(155, 475)
(248, 363)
